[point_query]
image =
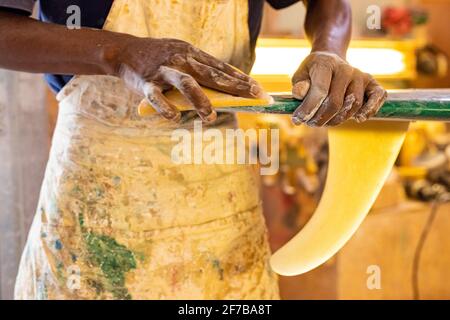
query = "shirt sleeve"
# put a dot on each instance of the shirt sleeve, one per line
(280, 4)
(25, 6)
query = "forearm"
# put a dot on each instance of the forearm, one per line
(328, 25)
(331, 89)
(147, 65)
(33, 46)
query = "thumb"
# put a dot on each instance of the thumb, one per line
(301, 88)
(300, 83)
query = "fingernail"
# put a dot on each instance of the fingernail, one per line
(176, 118)
(296, 120)
(172, 116)
(361, 118)
(210, 117)
(256, 90)
(300, 89)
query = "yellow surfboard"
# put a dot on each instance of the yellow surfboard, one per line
(361, 158)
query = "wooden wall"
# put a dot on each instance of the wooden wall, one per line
(24, 148)
(387, 240)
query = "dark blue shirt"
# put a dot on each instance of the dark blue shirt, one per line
(94, 13)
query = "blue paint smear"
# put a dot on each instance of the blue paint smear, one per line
(58, 245)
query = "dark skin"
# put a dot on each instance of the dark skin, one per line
(332, 90)
(147, 65)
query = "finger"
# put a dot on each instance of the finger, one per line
(335, 99)
(376, 96)
(219, 80)
(300, 89)
(342, 115)
(156, 98)
(187, 85)
(354, 98)
(300, 83)
(211, 61)
(320, 84)
(356, 87)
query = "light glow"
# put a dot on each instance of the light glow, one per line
(286, 60)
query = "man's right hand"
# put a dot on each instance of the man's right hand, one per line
(151, 66)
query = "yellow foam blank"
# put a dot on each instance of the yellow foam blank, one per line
(218, 100)
(361, 158)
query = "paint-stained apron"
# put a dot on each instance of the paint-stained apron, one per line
(117, 219)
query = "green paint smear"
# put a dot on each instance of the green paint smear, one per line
(113, 259)
(217, 266)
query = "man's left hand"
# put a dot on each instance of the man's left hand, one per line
(333, 91)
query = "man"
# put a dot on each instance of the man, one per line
(333, 91)
(117, 218)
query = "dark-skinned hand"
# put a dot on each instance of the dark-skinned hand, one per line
(151, 66)
(333, 92)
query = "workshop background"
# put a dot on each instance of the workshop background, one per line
(407, 233)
